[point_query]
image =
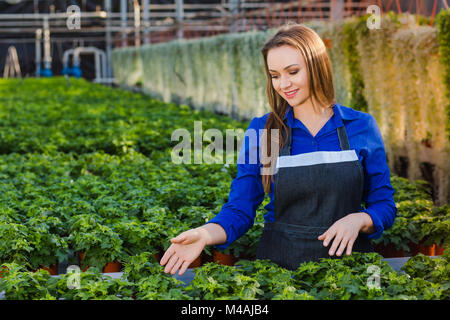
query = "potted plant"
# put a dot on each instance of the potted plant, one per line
(3, 270)
(410, 190)
(410, 233)
(48, 246)
(224, 257)
(15, 244)
(420, 214)
(96, 243)
(111, 267)
(150, 280)
(139, 236)
(424, 243)
(395, 241)
(439, 230)
(141, 266)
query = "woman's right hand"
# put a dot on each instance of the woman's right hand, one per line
(185, 248)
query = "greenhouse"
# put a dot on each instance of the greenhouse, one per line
(133, 163)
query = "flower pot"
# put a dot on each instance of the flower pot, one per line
(196, 263)
(207, 257)
(53, 269)
(3, 270)
(416, 248)
(224, 259)
(158, 256)
(439, 251)
(80, 259)
(112, 267)
(389, 251)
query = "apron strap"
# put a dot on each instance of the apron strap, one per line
(286, 150)
(342, 135)
(343, 139)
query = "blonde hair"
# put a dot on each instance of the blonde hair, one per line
(320, 78)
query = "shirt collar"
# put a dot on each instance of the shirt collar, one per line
(340, 113)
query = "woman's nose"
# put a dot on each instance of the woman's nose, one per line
(285, 84)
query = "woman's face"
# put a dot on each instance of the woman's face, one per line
(289, 75)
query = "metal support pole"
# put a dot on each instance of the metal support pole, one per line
(146, 20)
(108, 38)
(337, 10)
(47, 55)
(180, 14)
(137, 23)
(123, 12)
(38, 53)
(234, 8)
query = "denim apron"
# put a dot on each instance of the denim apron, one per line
(312, 191)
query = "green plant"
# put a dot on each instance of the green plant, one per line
(349, 44)
(48, 246)
(272, 279)
(418, 219)
(401, 234)
(213, 281)
(141, 266)
(19, 284)
(99, 243)
(349, 278)
(150, 280)
(436, 270)
(139, 236)
(443, 27)
(94, 286)
(410, 190)
(160, 287)
(15, 244)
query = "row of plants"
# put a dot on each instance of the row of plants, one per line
(420, 226)
(110, 207)
(74, 116)
(87, 175)
(358, 276)
(92, 207)
(106, 206)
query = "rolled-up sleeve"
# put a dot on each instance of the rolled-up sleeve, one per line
(237, 216)
(378, 192)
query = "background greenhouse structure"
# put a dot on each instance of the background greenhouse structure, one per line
(92, 91)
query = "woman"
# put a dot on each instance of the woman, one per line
(331, 159)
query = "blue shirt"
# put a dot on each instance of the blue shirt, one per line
(238, 214)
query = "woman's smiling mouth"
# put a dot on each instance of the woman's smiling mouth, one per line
(290, 94)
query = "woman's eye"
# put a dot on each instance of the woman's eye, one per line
(293, 72)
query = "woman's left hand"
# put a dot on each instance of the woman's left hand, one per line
(345, 231)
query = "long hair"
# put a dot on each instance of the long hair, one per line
(320, 76)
